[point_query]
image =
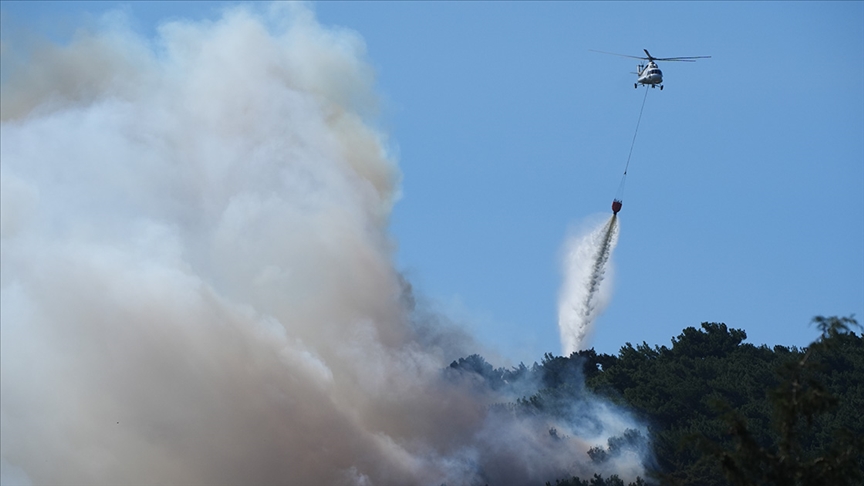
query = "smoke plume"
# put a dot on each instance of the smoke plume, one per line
(198, 284)
(583, 296)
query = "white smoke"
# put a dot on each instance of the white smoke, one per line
(197, 280)
(586, 289)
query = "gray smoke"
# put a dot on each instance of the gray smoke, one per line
(198, 284)
(583, 295)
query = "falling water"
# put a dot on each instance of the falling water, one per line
(583, 296)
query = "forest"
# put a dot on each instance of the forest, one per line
(718, 411)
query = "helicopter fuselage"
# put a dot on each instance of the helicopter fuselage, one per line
(649, 74)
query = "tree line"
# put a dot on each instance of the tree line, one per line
(719, 411)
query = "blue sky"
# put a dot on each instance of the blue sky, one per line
(745, 197)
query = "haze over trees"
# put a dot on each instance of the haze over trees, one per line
(719, 411)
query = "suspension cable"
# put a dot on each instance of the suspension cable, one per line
(620, 194)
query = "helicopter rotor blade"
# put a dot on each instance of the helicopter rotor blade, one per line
(652, 58)
(684, 59)
(616, 54)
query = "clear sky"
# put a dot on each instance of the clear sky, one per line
(745, 197)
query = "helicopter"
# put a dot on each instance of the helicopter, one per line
(650, 74)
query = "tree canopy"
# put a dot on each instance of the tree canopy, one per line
(719, 411)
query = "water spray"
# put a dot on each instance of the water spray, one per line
(583, 295)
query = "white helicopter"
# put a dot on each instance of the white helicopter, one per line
(651, 74)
